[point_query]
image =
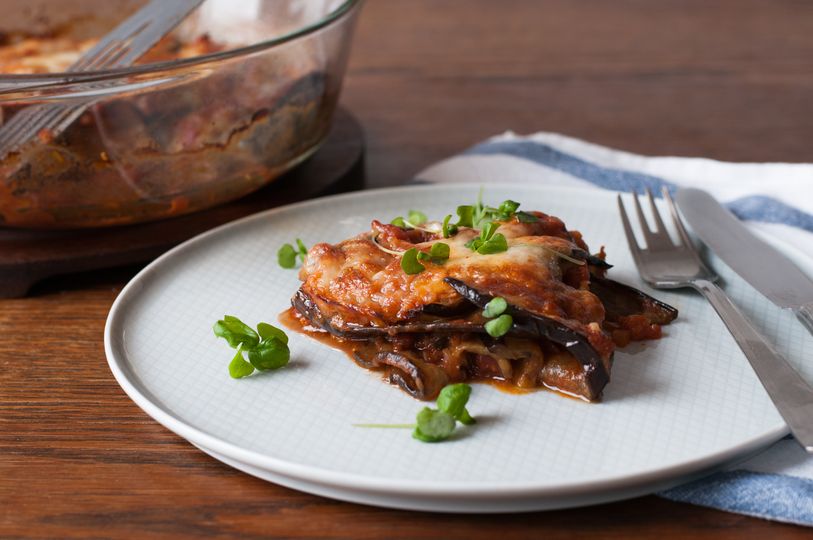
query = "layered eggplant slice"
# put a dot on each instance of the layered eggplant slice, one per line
(425, 322)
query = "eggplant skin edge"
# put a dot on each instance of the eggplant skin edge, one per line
(595, 371)
(620, 299)
(308, 307)
(594, 368)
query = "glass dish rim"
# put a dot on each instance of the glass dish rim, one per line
(26, 82)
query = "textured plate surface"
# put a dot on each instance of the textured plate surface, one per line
(674, 408)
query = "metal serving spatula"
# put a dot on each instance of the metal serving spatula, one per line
(119, 48)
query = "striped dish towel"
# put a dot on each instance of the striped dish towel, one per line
(776, 198)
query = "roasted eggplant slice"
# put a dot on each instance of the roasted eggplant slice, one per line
(594, 367)
(418, 378)
(337, 320)
(622, 300)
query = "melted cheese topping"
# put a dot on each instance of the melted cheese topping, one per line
(32, 55)
(358, 275)
(38, 55)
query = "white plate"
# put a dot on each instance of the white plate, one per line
(674, 409)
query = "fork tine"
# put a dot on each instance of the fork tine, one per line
(655, 213)
(651, 238)
(684, 236)
(635, 249)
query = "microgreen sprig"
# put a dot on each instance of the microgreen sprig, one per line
(416, 217)
(435, 425)
(489, 241)
(287, 254)
(410, 260)
(477, 214)
(526, 217)
(267, 348)
(438, 253)
(507, 210)
(500, 326)
(465, 216)
(448, 229)
(501, 322)
(452, 400)
(495, 307)
(414, 220)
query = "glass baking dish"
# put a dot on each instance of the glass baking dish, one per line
(174, 136)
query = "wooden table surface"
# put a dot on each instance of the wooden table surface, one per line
(729, 79)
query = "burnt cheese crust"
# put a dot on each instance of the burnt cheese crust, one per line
(426, 330)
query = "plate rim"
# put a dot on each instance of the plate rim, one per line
(411, 487)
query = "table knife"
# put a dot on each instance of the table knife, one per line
(763, 266)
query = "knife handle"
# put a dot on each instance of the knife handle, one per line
(805, 314)
(791, 395)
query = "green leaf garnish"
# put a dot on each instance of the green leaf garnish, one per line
(500, 326)
(465, 216)
(416, 217)
(497, 244)
(439, 252)
(270, 353)
(507, 209)
(303, 250)
(488, 230)
(267, 348)
(495, 307)
(409, 262)
(452, 400)
(474, 243)
(267, 331)
(482, 213)
(238, 367)
(433, 425)
(526, 217)
(399, 222)
(489, 242)
(236, 333)
(286, 256)
(448, 229)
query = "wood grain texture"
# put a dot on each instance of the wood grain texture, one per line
(728, 79)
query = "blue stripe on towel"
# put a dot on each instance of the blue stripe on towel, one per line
(753, 208)
(770, 496)
(769, 210)
(615, 179)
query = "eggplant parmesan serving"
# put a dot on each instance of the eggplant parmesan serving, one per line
(501, 295)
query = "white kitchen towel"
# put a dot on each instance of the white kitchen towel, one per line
(776, 198)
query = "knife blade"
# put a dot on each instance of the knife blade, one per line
(760, 264)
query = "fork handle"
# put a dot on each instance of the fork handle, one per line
(791, 395)
(805, 314)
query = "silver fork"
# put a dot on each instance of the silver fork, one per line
(121, 47)
(667, 265)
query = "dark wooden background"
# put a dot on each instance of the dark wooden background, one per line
(729, 79)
